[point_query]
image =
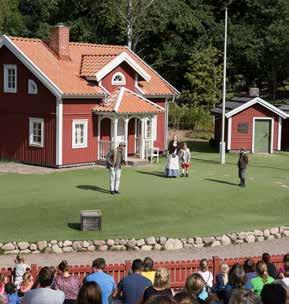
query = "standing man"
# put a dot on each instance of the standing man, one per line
(242, 165)
(115, 160)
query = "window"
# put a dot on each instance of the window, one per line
(79, 134)
(148, 128)
(118, 79)
(32, 87)
(151, 128)
(243, 128)
(10, 78)
(36, 132)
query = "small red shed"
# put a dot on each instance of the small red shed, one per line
(253, 124)
(65, 103)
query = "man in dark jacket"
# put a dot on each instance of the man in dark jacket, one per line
(115, 159)
(242, 166)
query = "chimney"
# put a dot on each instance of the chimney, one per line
(59, 40)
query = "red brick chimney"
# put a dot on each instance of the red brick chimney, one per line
(59, 40)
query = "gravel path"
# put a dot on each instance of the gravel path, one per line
(279, 246)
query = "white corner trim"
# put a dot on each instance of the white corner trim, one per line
(119, 99)
(6, 68)
(85, 135)
(6, 41)
(117, 61)
(229, 135)
(167, 83)
(272, 132)
(105, 90)
(33, 120)
(122, 82)
(59, 131)
(260, 101)
(279, 134)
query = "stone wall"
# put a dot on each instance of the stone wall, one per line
(150, 243)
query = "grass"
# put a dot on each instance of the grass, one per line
(36, 207)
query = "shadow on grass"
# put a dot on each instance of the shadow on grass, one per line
(93, 188)
(207, 161)
(220, 181)
(201, 146)
(155, 173)
(74, 226)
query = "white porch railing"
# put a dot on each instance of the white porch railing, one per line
(148, 147)
(104, 148)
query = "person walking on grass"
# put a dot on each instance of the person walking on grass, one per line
(115, 159)
(242, 166)
(185, 159)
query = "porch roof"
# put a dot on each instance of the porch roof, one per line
(124, 101)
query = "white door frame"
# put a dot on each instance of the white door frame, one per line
(272, 132)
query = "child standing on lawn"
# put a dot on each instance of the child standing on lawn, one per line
(185, 159)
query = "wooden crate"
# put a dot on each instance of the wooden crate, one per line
(90, 220)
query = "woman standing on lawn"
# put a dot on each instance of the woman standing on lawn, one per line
(173, 166)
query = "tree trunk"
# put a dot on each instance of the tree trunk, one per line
(129, 24)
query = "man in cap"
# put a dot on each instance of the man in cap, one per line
(242, 166)
(115, 159)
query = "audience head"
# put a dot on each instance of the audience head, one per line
(237, 276)
(273, 294)
(261, 269)
(10, 288)
(159, 300)
(286, 261)
(2, 278)
(162, 278)
(45, 277)
(63, 266)
(243, 296)
(137, 265)
(89, 293)
(27, 278)
(266, 257)
(148, 264)
(194, 284)
(183, 298)
(204, 264)
(98, 264)
(224, 268)
(249, 266)
(19, 258)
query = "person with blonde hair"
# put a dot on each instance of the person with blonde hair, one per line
(161, 285)
(195, 287)
(20, 269)
(222, 280)
(3, 281)
(26, 283)
(261, 279)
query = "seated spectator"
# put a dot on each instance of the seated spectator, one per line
(274, 294)
(161, 285)
(10, 294)
(20, 269)
(148, 271)
(89, 293)
(205, 273)
(261, 279)
(26, 284)
(67, 283)
(44, 294)
(272, 271)
(285, 266)
(133, 286)
(160, 300)
(195, 287)
(222, 280)
(285, 279)
(249, 267)
(183, 298)
(104, 281)
(236, 280)
(3, 281)
(244, 296)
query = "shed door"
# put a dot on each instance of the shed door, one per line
(262, 136)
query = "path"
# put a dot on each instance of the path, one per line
(279, 246)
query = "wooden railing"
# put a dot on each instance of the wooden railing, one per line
(104, 147)
(179, 270)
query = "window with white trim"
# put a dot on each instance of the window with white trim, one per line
(151, 128)
(32, 87)
(10, 78)
(79, 133)
(36, 132)
(118, 79)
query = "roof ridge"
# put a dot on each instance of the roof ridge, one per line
(26, 39)
(97, 45)
(100, 55)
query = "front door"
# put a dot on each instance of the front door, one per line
(262, 136)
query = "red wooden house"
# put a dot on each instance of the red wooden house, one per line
(253, 124)
(64, 103)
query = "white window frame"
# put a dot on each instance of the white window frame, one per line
(85, 130)
(31, 141)
(153, 127)
(32, 91)
(6, 68)
(123, 82)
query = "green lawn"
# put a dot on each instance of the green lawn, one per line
(35, 207)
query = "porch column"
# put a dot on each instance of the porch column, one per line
(98, 135)
(114, 128)
(142, 150)
(126, 120)
(151, 132)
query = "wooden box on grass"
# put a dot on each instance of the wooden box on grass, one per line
(90, 220)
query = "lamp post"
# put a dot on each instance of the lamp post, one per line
(222, 143)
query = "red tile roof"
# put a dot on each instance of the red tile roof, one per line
(84, 58)
(127, 102)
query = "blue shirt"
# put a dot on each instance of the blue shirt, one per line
(133, 287)
(105, 282)
(13, 299)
